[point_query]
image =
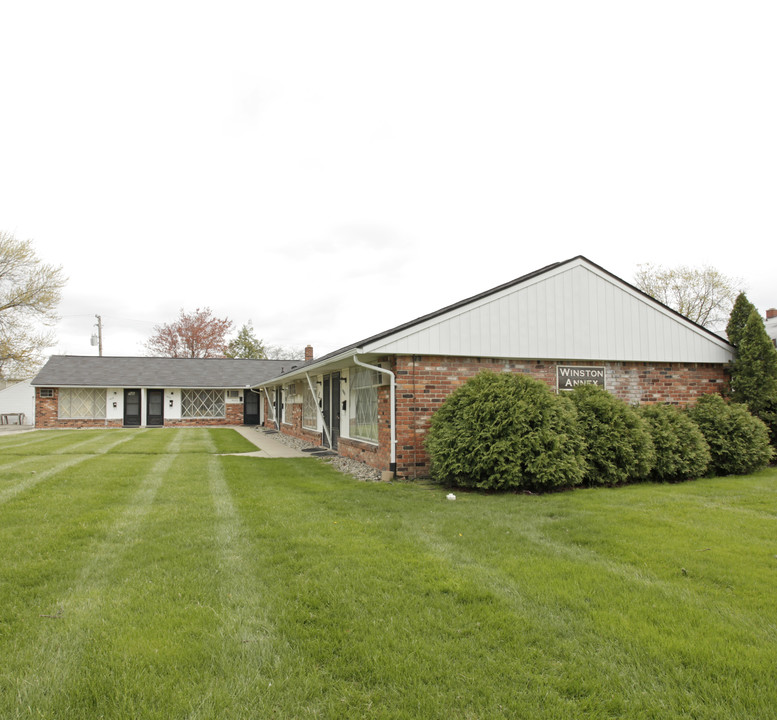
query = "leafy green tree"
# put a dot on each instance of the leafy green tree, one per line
(246, 345)
(703, 295)
(738, 318)
(29, 294)
(754, 373)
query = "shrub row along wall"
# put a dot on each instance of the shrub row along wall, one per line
(423, 382)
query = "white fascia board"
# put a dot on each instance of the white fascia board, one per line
(317, 368)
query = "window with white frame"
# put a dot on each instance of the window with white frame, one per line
(203, 404)
(82, 403)
(289, 399)
(309, 408)
(363, 411)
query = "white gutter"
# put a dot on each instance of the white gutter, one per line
(392, 378)
(272, 410)
(318, 410)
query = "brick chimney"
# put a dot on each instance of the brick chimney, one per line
(771, 313)
(309, 351)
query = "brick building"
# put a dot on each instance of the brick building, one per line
(567, 323)
(75, 391)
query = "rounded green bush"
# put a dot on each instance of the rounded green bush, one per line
(738, 441)
(682, 452)
(505, 431)
(618, 446)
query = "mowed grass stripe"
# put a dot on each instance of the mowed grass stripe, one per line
(587, 600)
(57, 657)
(38, 438)
(248, 639)
(386, 600)
(32, 480)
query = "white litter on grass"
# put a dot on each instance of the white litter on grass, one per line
(450, 496)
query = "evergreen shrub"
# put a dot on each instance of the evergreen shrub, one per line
(681, 451)
(738, 441)
(505, 431)
(754, 373)
(618, 446)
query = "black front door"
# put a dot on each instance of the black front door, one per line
(331, 409)
(131, 408)
(155, 407)
(251, 405)
(278, 406)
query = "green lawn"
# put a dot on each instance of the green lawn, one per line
(146, 575)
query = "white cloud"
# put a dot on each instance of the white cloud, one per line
(334, 169)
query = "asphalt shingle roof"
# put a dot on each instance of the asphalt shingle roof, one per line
(157, 372)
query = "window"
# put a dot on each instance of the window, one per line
(82, 403)
(363, 412)
(309, 408)
(287, 400)
(47, 392)
(203, 404)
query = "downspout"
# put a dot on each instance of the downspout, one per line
(318, 410)
(393, 404)
(272, 410)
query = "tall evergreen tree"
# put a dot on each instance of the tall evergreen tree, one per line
(246, 345)
(754, 373)
(738, 318)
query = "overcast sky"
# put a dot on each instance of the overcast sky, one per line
(329, 170)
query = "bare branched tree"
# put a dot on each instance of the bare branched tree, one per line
(703, 295)
(30, 291)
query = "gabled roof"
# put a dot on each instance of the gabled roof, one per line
(157, 372)
(570, 310)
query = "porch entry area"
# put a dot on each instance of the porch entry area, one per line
(132, 407)
(154, 407)
(331, 409)
(252, 405)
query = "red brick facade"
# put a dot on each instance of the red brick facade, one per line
(47, 416)
(423, 382)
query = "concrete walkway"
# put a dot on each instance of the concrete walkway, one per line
(11, 429)
(268, 447)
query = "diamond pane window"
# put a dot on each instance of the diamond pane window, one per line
(82, 403)
(309, 410)
(363, 415)
(203, 404)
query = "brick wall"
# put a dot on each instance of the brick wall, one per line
(294, 427)
(46, 410)
(46, 416)
(424, 382)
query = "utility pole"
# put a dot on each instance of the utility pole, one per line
(100, 334)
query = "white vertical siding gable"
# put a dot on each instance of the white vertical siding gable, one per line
(573, 311)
